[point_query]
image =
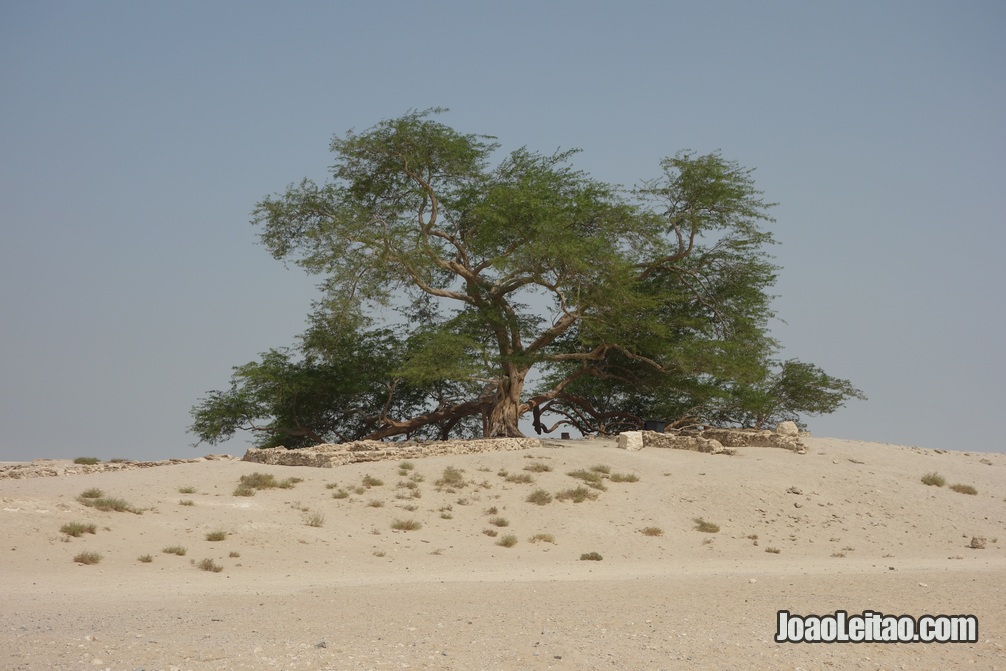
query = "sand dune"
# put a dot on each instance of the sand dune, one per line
(848, 526)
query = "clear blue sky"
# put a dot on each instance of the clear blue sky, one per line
(136, 137)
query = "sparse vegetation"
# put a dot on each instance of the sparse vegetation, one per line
(92, 493)
(601, 468)
(186, 490)
(705, 527)
(210, 565)
(216, 536)
(452, 479)
(653, 531)
(499, 522)
(106, 504)
(591, 556)
(175, 550)
(520, 478)
(507, 541)
(934, 479)
(87, 558)
(340, 494)
(539, 497)
(772, 550)
(314, 519)
(406, 466)
(492, 510)
(244, 490)
(145, 559)
(258, 480)
(492, 533)
(234, 554)
(578, 495)
(380, 553)
(406, 525)
(375, 503)
(78, 529)
(591, 478)
(542, 538)
(624, 477)
(186, 502)
(370, 481)
(87, 461)
(446, 516)
(964, 489)
(538, 467)
(118, 460)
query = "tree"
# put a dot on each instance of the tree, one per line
(650, 300)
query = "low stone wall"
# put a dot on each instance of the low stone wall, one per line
(42, 468)
(711, 441)
(331, 455)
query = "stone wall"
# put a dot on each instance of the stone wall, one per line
(330, 455)
(42, 468)
(711, 441)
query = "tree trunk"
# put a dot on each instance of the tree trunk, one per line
(505, 411)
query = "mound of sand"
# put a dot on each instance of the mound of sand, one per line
(311, 581)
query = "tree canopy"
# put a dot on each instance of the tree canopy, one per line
(522, 286)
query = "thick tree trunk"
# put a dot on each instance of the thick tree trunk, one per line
(505, 411)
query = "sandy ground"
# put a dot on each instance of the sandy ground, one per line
(854, 527)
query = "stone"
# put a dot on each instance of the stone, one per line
(787, 429)
(978, 542)
(630, 440)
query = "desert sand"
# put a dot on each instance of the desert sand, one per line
(847, 526)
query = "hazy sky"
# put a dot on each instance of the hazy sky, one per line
(135, 139)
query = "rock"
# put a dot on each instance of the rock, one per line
(630, 440)
(794, 490)
(787, 429)
(978, 542)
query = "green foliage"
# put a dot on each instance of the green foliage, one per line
(624, 304)
(87, 461)
(934, 479)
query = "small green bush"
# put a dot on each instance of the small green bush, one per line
(406, 525)
(601, 468)
(705, 527)
(624, 477)
(244, 490)
(591, 556)
(653, 531)
(78, 529)
(370, 481)
(92, 493)
(934, 479)
(539, 497)
(520, 478)
(216, 536)
(87, 558)
(315, 519)
(87, 461)
(499, 522)
(507, 541)
(186, 490)
(542, 538)
(538, 467)
(210, 565)
(106, 504)
(451, 479)
(175, 550)
(964, 489)
(772, 550)
(146, 559)
(578, 495)
(340, 494)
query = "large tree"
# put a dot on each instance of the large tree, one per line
(623, 301)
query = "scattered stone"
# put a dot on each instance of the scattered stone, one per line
(794, 490)
(978, 542)
(630, 440)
